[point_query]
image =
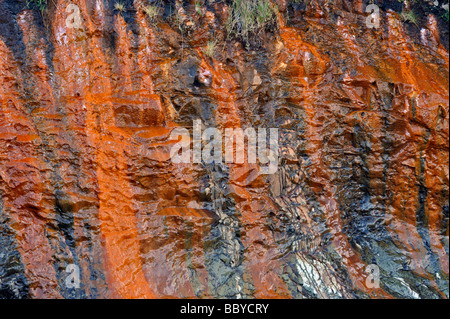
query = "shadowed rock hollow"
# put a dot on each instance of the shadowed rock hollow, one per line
(86, 176)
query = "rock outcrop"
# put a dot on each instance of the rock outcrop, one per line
(86, 176)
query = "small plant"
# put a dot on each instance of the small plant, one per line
(264, 12)
(409, 16)
(120, 7)
(198, 8)
(178, 19)
(41, 5)
(210, 48)
(249, 18)
(152, 12)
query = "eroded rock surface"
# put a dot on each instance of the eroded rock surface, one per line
(86, 176)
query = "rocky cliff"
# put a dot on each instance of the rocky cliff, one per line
(90, 91)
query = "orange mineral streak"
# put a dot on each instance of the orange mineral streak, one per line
(163, 267)
(401, 65)
(50, 123)
(365, 74)
(297, 49)
(94, 125)
(25, 194)
(412, 71)
(196, 221)
(260, 262)
(81, 64)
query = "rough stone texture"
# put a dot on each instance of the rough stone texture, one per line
(86, 176)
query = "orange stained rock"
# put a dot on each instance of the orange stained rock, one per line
(259, 263)
(116, 211)
(24, 190)
(356, 268)
(91, 120)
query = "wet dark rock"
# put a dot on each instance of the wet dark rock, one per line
(86, 177)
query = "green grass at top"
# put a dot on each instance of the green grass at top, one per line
(41, 5)
(248, 18)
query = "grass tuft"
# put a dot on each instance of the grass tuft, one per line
(198, 8)
(249, 18)
(41, 5)
(409, 16)
(119, 7)
(210, 48)
(152, 11)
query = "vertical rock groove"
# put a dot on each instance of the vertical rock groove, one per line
(87, 178)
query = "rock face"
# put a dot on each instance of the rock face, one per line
(86, 176)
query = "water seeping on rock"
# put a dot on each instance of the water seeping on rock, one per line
(92, 204)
